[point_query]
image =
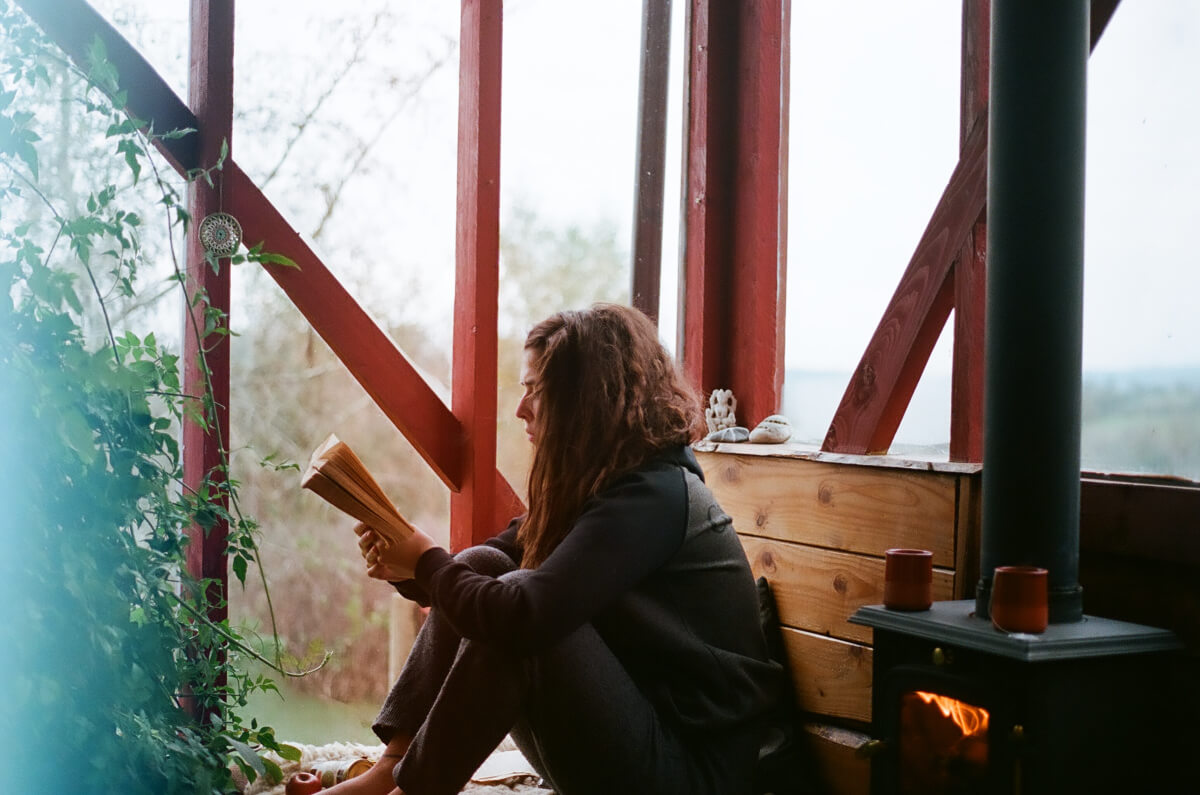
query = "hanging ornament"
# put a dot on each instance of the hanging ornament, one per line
(220, 234)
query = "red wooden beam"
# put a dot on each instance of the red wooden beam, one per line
(74, 25)
(651, 156)
(735, 258)
(367, 351)
(205, 447)
(969, 269)
(473, 389)
(882, 385)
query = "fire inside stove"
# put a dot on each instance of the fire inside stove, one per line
(943, 744)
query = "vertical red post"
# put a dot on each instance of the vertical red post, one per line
(651, 156)
(477, 253)
(970, 267)
(210, 96)
(735, 262)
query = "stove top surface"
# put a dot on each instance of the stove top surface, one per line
(955, 623)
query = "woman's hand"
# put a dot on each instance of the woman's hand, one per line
(391, 560)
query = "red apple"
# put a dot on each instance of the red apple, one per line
(303, 783)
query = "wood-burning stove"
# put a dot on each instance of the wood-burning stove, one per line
(1081, 708)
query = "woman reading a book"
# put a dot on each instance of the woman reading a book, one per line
(613, 630)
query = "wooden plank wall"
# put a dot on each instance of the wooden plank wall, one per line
(816, 525)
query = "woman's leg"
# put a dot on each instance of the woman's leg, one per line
(590, 730)
(433, 652)
(412, 695)
(579, 718)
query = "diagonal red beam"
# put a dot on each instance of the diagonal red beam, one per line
(370, 355)
(883, 383)
(74, 25)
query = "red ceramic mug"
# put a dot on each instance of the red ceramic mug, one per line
(908, 579)
(1019, 599)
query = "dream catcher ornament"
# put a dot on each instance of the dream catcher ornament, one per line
(220, 235)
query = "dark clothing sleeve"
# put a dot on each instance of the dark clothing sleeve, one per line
(506, 542)
(622, 536)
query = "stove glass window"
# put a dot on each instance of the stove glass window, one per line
(943, 744)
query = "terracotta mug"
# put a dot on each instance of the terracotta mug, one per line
(908, 579)
(1019, 599)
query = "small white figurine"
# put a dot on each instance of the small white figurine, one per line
(720, 411)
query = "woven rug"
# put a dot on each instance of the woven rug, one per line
(505, 772)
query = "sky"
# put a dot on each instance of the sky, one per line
(874, 137)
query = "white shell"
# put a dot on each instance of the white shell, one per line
(772, 430)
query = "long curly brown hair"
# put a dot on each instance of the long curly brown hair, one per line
(610, 399)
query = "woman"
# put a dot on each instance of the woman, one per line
(613, 630)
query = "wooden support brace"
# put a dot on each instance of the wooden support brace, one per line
(473, 508)
(946, 271)
(206, 353)
(969, 268)
(651, 156)
(735, 261)
(366, 350)
(74, 25)
(883, 383)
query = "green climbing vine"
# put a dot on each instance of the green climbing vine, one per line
(108, 651)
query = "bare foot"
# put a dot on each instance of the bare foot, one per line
(378, 780)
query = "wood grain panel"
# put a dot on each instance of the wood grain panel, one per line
(967, 536)
(856, 509)
(842, 769)
(831, 677)
(818, 589)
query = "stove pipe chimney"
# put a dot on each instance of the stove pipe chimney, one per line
(1035, 215)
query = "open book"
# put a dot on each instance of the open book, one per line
(337, 475)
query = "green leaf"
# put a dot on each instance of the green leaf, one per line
(288, 752)
(246, 752)
(173, 134)
(274, 772)
(76, 433)
(276, 259)
(28, 154)
(239, 568)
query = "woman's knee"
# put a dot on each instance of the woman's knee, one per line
(486, 560)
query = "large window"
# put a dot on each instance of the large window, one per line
(874, 139)
(1141, 344)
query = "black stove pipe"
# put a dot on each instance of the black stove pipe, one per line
(1035, 215)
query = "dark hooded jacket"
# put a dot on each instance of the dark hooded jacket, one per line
(654, 565)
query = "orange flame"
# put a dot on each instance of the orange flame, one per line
(970, 719)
